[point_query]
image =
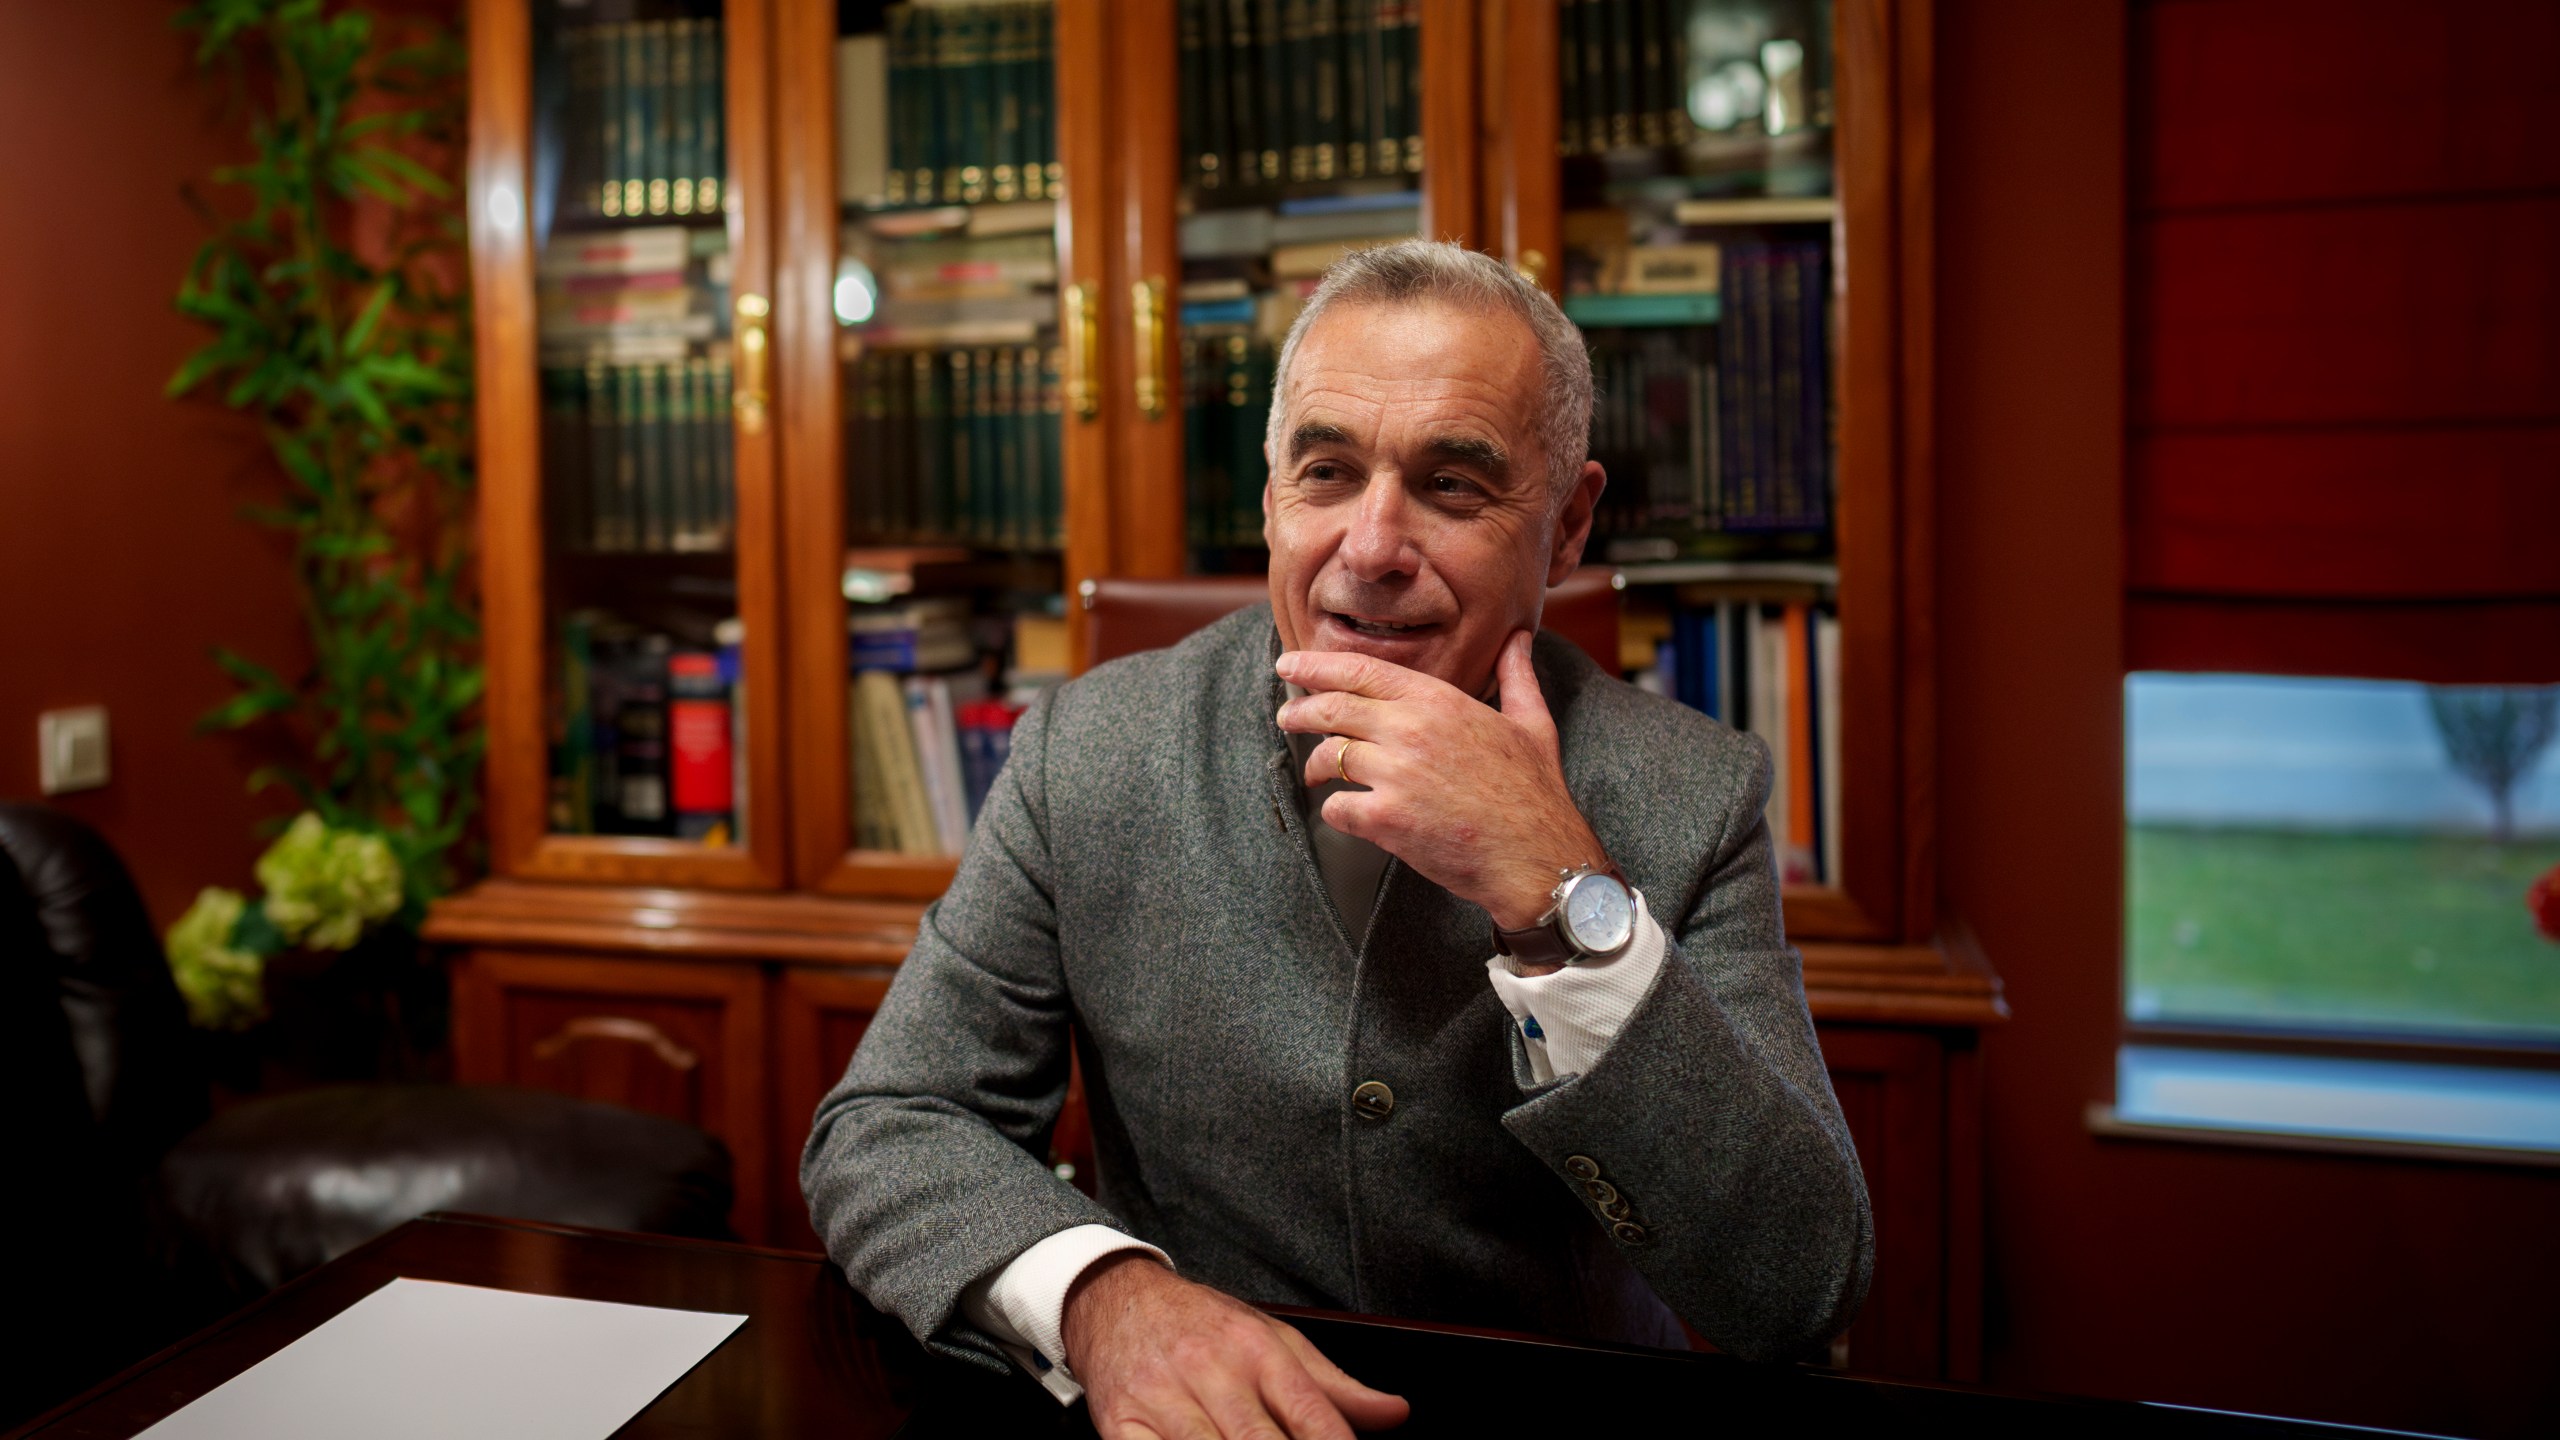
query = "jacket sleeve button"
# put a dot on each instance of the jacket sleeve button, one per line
(1629, 1232)
(1582, 1167)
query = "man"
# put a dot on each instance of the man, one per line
(1417, 968)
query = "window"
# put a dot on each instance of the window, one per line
(2342, 856)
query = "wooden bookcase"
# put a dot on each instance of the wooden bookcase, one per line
(727, 982)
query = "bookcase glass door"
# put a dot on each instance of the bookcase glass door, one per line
(1700, 210)
(640, 351)
(1301, 140)
(952, 384)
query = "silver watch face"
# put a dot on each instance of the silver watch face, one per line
(1599, 917)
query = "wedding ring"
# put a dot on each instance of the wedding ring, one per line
(1342, 761)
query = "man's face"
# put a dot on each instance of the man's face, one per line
(1409, 511)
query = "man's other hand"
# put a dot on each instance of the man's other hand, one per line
(1163, 1358)
(1472, 797)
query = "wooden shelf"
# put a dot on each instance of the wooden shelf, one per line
(676, 922)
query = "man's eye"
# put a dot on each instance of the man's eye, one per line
(1325, 471)
(1453, 486)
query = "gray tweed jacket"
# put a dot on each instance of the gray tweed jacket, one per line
(1140, 879)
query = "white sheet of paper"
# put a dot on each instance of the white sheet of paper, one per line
(427, 1359)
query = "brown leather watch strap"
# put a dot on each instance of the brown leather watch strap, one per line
(1538, 943)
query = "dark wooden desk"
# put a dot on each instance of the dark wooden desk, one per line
(815, 1361)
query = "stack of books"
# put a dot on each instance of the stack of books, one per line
(967, 288)
(1278, 92)
(1772, 669)
(655, 293)
(650, 734)
(1296, 240)
(646, 117)
(955, 105)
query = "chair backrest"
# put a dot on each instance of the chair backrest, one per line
(76, 916)
(1123, 617)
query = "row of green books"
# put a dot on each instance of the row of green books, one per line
(1624, 65)
(1226, 388)
(646, 119)
(956, 447)
(971, 109)
(637, 458)
(1285, 91)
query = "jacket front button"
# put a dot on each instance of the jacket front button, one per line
(1373, 1100)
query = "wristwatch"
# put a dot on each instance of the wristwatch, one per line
(1593, 918)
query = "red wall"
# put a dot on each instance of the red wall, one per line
(2361, 1290)
(123, 559)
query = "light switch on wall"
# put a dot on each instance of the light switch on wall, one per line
(72, 745)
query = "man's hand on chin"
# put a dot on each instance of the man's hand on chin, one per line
(1472, 797)
(1164, 1358)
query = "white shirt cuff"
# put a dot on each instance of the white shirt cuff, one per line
(1568, 1017)
(1024, 1305)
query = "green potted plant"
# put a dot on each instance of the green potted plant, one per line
(331, 283)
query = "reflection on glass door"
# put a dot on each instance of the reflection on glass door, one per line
(947, 304)
(1301, 141)
(646, 699)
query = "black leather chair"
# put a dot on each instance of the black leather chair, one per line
(137, 1216)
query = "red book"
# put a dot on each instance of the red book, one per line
(700, 767)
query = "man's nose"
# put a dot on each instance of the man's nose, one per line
(1381, 539)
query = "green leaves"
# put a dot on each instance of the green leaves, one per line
(356, 360)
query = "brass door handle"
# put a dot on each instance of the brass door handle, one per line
(748, 398)
(1146, 309)
(616, 1027)
(1084, 399)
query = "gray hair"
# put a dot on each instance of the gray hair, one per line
(1416, 272)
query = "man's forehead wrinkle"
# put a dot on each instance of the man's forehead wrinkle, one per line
(1456, 406)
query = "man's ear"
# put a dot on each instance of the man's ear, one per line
(1573, 521)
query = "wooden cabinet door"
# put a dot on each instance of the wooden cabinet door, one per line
(630, 589)
(679, 1039)
(1891, 1085)
(819, 1017)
